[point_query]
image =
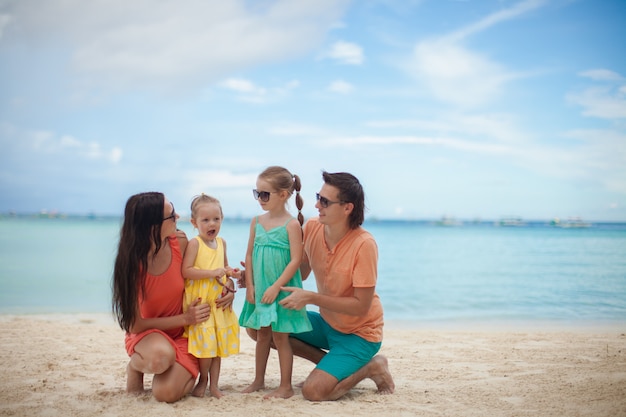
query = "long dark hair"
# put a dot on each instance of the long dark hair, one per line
(141, 228)
(350, 191)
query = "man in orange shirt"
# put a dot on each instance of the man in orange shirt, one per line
(347, 332)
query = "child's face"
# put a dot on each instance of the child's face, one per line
(275, 197)
(208, 220)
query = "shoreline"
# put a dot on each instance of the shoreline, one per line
(438, 325)
(74, 364)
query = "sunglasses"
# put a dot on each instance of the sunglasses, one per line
(264, 196)
(324, 202)
(171, 216)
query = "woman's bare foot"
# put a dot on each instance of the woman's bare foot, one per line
(280, 392)
(381, 376)
(134, 381)
(215, 392)
(200, 387)
(254, 387)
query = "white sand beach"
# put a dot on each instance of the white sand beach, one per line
(74, 365)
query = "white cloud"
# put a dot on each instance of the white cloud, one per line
(243, 86)
(341, 87)
(45, 143)
(346, 53)
(214, 181)
(115, 156)
(446, 142)
(4, 21)
(292, 129)
(495, 18)
(602, 75)
(67, 141)
(605, 101)
(250, 92)
(454, 73)
(166, 46)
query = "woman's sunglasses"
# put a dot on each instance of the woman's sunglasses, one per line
(264, 196)
(171, 216)
(324, 202)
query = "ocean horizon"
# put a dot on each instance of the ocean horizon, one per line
(430, 271)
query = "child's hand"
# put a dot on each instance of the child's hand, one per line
(250, 295)
(225, 300)
(241, 281)
(234, 272)
(270, 295)
(219, 272)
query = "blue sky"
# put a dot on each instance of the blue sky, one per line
(470, 109)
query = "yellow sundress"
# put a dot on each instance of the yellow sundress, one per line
(219, 334)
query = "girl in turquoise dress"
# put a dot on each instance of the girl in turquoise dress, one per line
(273, 259)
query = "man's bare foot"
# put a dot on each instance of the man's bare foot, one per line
(134, 381)
(280, 392)
(200, 387)
(215, 392)
(381, 376)
(254, 387)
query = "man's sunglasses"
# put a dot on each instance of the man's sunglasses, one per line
(324, 202)
(264, 196)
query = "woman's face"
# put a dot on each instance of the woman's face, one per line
(169, 219)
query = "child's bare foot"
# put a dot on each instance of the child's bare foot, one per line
(254, 387)
(381, 376)
(200, 387)
(215, 392)
(134, 381)
(280, 392)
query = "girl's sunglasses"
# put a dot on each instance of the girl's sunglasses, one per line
(264, 196)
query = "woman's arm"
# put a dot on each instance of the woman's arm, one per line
(196, 313)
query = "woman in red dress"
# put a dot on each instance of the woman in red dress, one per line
(147, 298)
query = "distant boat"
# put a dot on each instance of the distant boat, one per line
(511, 221)
(571, 222)
(448, 221)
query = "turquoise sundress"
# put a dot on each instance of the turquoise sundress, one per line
(270, 256)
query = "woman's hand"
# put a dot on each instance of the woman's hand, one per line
(197, 313)
(227, 297)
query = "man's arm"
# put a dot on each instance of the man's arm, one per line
(357, 305)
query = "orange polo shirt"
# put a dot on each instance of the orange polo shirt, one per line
(351, 264)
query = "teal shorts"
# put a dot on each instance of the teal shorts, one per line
(346, 353)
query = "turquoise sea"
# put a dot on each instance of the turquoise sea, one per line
(428, 273)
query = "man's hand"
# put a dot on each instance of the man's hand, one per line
(297, 300)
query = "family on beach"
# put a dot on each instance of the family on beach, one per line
(173, 296)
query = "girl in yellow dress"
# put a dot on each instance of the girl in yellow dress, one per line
(206, 271)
